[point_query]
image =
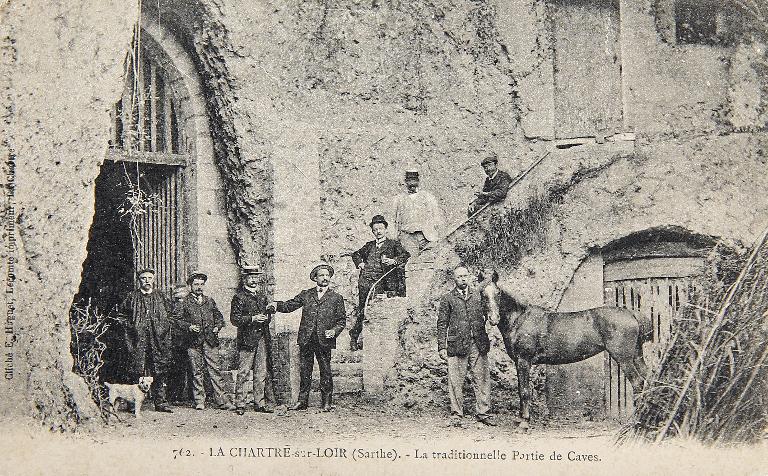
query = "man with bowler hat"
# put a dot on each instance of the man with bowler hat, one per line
(495, 187)
(322, 319)
(147, 314)
(376, 259)
(249, 314)
(202, 319)
(418, 219)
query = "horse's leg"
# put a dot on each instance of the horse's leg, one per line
(524, 389)
(632, 372)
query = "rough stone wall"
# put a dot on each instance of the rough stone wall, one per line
(317, 107)
(62, 68)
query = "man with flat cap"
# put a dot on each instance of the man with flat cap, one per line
(495, 187)
(322, 319)
(147, 314)
(201, 318)
(249, 314)
(418, 219)
(375, 260)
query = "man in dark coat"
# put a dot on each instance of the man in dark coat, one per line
(463, 342)
(146, 312)
(374, 260)
(322, 320)
(496, 185)
(248, 314)
(203, 321)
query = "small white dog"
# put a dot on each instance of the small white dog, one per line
(134, 394)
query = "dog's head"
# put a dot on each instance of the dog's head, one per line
(145, 383)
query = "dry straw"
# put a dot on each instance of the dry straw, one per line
(711, 382)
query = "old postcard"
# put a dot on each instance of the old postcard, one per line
(384, 236)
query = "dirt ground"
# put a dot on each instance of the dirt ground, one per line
(351, 418)
(361, 438)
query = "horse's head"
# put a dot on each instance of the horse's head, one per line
(500, 305)
(489, 291)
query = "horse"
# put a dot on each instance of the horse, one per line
(533, 335)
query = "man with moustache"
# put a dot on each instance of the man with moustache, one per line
(375, 260)
(322, 319)
(463, 342)
(147, 315)
(203, 321)
(418, 219)
(495, 187)
(249, 314)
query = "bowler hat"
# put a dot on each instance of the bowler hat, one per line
(378, 219)
(317, 268)
(411, 174)
(246, 270)
(490, 158)
(197, 275)
(145, 271)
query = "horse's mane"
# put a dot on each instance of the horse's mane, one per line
(511, 300)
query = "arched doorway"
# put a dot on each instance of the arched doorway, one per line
(653, 273)
(146, 191)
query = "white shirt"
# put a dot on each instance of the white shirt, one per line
(321, 291)
(418, 212)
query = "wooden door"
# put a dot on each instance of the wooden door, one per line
(657, 297)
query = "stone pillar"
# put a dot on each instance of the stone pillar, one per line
(297, 228)
(381, 341)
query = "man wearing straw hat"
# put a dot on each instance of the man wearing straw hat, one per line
(376, 260)
(202, 319)
(495, 187)
(418, 219)
(322, 319)
(147, 314)
(249, 314)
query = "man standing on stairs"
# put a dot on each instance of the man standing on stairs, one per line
(418, 219)
(496, 185)
(376, 260)
(322, 319)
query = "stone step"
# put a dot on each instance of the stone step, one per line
(347, 369)
(341, 384)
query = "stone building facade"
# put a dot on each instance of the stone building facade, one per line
(299, 119)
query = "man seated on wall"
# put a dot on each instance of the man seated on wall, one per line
(495, 188)
(380, 260)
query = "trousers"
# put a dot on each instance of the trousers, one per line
(413, 242)
(307, 353)
(205, 360)
(477, 364)
(256, 361)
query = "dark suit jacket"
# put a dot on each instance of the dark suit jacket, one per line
(146, 312)
(205, 315)
(459, 322)
(245, 305)
(394, 281)
(496, 188)
(317, 316)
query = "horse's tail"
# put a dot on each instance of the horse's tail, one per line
(645, 326)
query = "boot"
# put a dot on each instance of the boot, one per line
(300, 405)
(326, 403)
(161, 404)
